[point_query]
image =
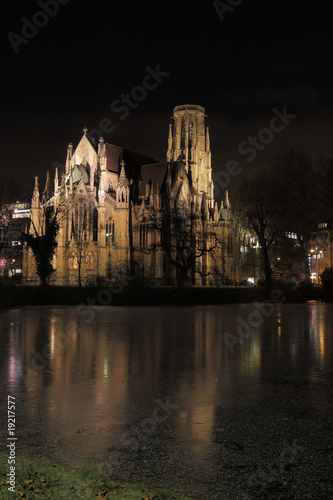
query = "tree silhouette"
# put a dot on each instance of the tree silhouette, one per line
(326, 278)
(43, 245)
(273, 204)
(185, 239)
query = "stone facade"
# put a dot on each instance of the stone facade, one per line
(119, 212)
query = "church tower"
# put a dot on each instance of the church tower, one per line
(189, 141)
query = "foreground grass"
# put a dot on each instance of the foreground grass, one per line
(41, 479)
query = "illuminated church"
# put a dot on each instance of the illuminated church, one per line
(116, 207)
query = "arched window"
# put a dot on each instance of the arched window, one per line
(72, 261)
(109, 231)
(90, 261)
(95, 225)
(230, 245)
(182, 211)
(183, 134)
(143, 235)
(190, 134)
(81, 220)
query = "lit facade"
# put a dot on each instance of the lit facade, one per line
(321, 249)
(108, 197)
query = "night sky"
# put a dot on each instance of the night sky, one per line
(68, 74)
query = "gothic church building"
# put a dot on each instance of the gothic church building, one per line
(119, 212)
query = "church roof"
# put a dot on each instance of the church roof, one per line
(114, 155)
(152, 174)
(145, 160)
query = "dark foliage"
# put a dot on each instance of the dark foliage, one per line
(272, 203)
(327, 279)
(43, 246)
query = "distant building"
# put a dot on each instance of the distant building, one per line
(15, 221)
(321, 249)
(115, 211)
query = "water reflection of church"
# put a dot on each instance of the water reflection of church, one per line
(107, 194)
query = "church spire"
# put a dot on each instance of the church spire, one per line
(122, 189)
(69, 157)
(71, 181)
(101, 192)
(101, 147)
(207, 140)
(169, 152)
(56, 181)
(170, 137)
(227, 202)
(47, 189)
(62, 187)
(123, 181)
(35, 202)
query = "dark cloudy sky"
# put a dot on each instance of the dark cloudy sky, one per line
(265, 54)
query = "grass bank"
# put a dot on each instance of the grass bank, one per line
(41, 479)
(132, 295)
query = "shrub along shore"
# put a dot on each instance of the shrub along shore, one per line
(132, 295)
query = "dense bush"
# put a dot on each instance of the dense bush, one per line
(327, 278)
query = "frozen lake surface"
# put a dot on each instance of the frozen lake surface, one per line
(231, 401)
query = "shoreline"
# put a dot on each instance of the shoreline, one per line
(131, 295)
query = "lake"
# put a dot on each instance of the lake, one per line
(230, 401)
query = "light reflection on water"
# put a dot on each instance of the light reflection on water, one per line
(87, 383)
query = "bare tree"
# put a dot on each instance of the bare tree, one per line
(186, 240)
(274, 204)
